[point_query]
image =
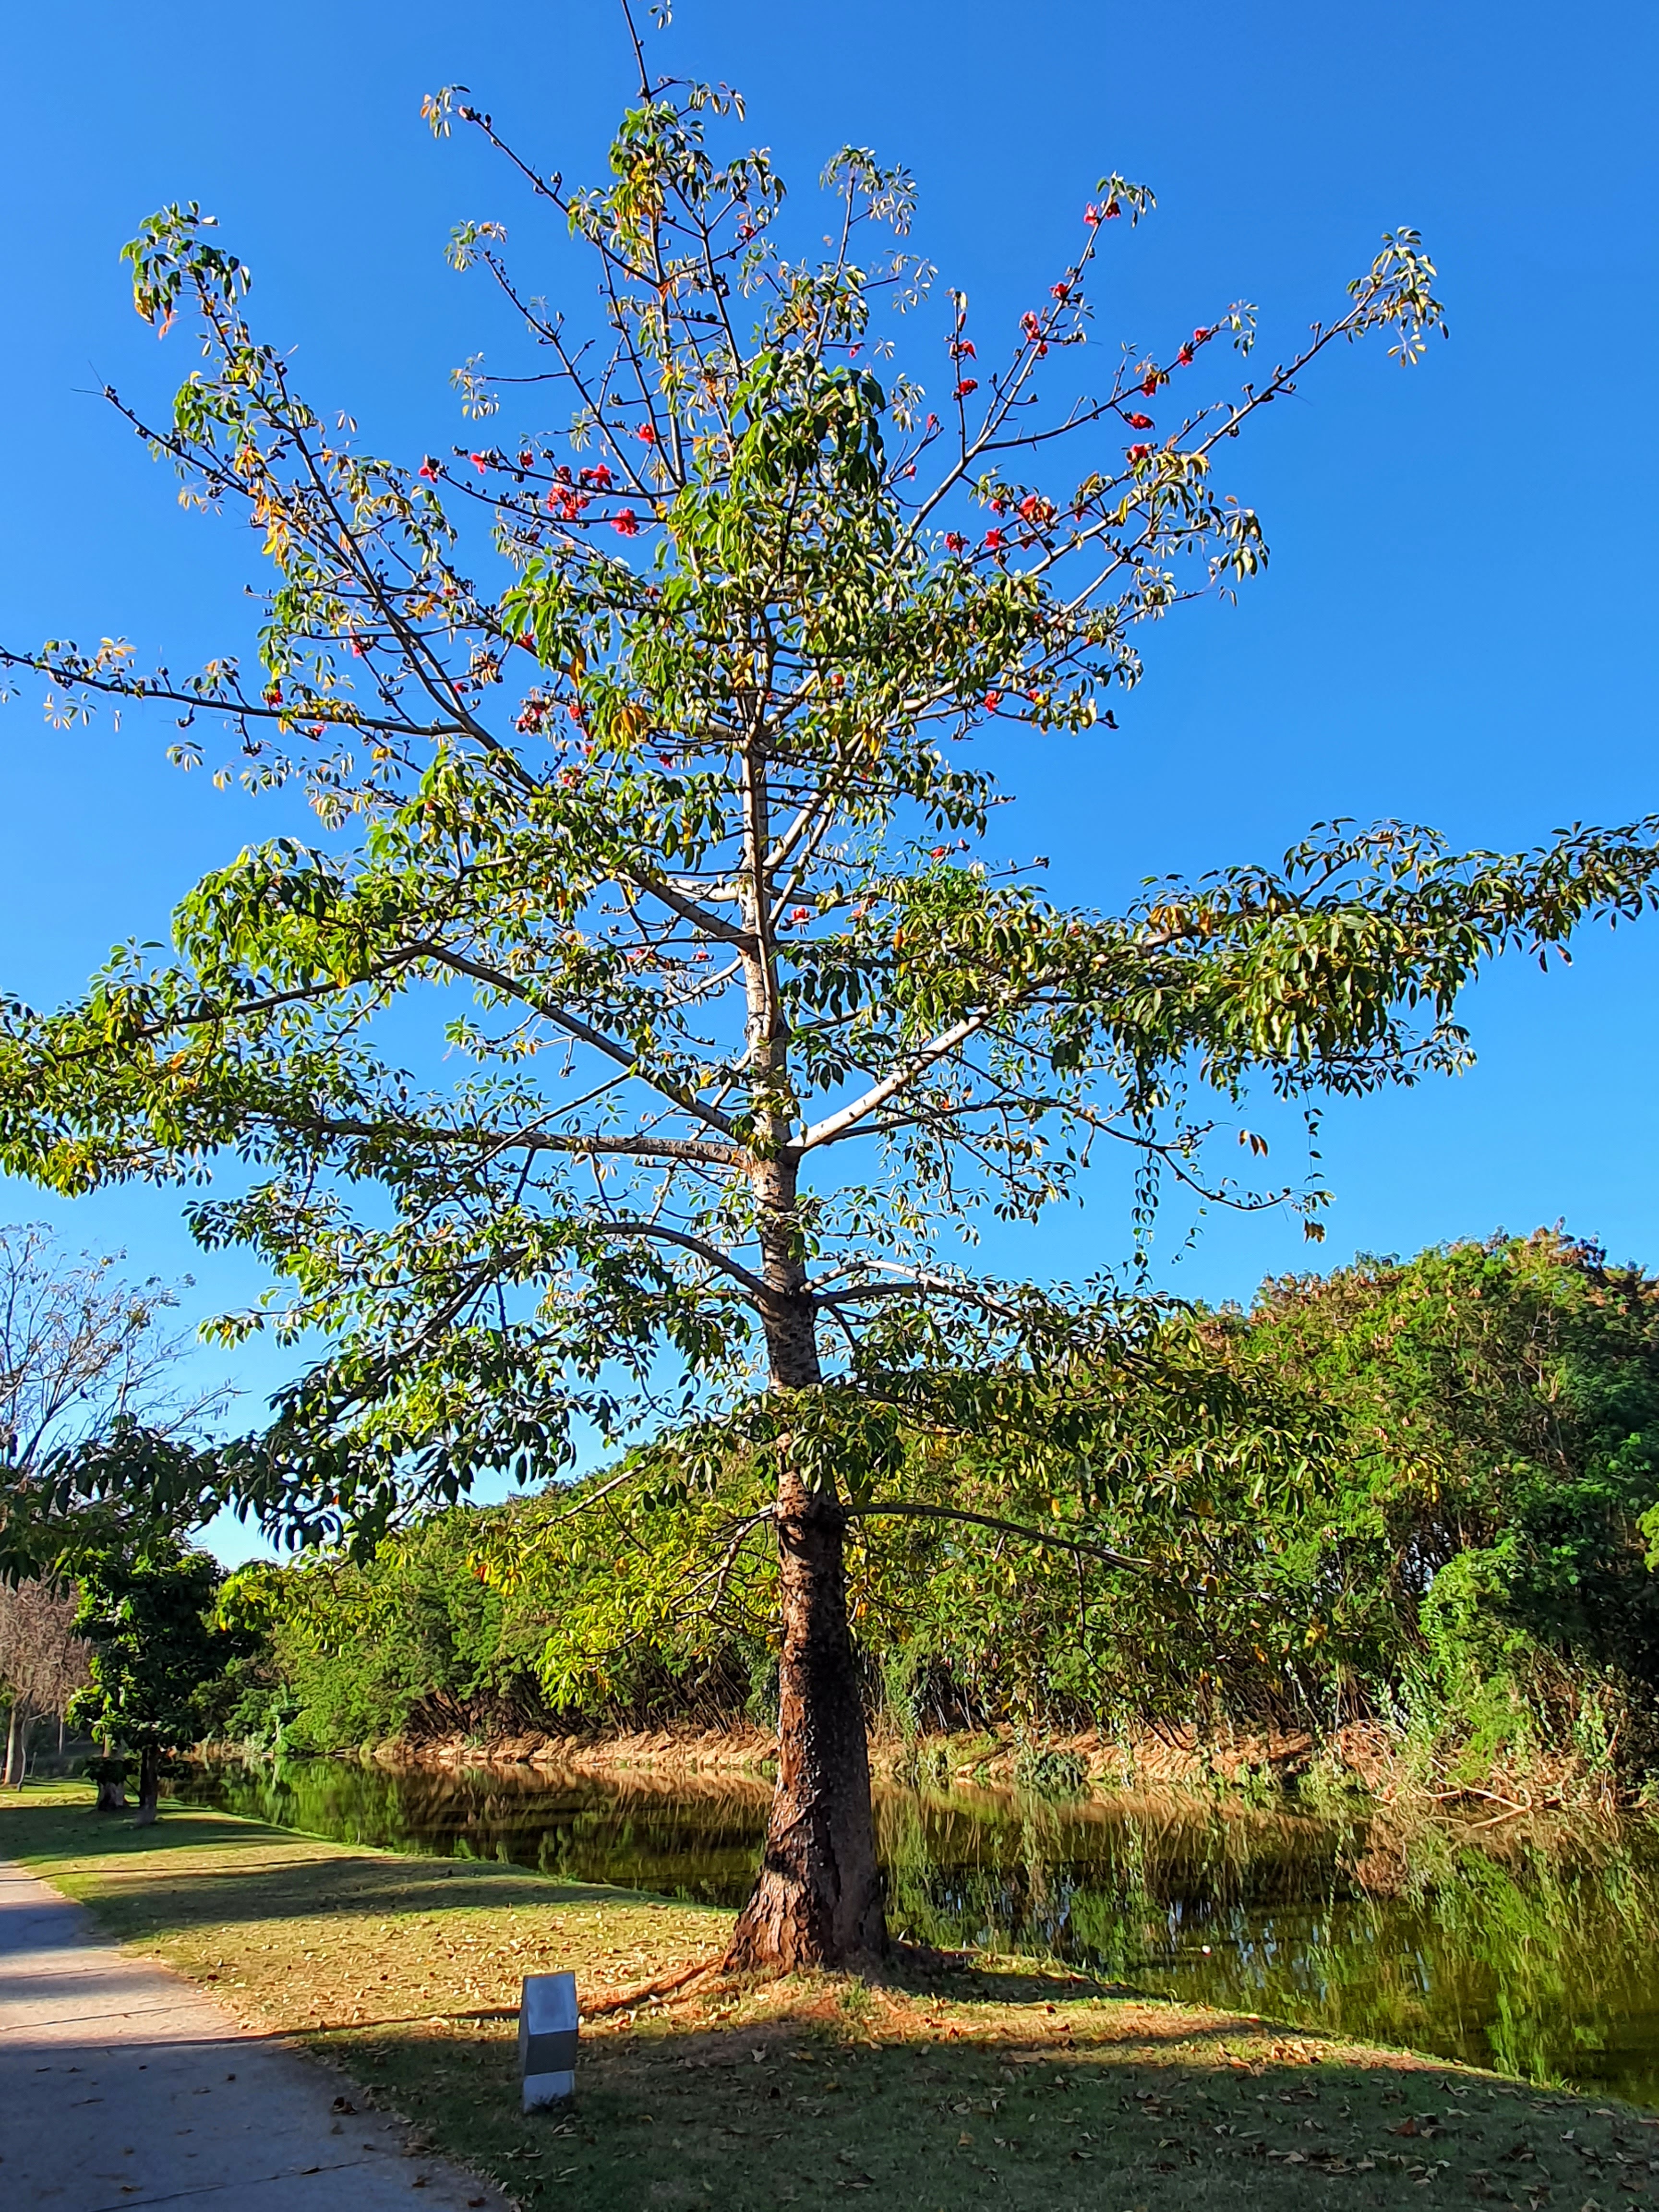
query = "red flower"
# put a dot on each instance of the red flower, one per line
(1059, 291)
(994, 541)
(936, 852)
(967, 384)
(626, 524)
(1151, 385)
(526, 459)
(1112, 210)
(480, 461)
(1030, 325)
(429, 469)
(1036, 510)
(1203, 337)
(647, 434)
(1138, 421)
(598, 476)
(1185, 356)
(1139, 452)
(993, 701)
(955, 541)
(932, 422)
(960, 346)
(1092, 215)
(800, 913)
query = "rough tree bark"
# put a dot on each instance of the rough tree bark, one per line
(818, 1900)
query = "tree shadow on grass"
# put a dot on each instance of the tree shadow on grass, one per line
(808, 2109)
(193, 1869)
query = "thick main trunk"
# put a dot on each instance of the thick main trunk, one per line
(818, 1899)
(149, 1786)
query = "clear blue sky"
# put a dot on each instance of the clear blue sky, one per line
(1457, 626)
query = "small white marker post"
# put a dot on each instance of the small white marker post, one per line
(547, 2039)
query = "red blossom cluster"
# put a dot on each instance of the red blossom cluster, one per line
(1033, 331)
(564, 500)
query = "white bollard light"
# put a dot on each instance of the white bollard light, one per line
(547, 2039)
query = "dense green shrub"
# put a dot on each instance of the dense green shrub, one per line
(1437, 1518)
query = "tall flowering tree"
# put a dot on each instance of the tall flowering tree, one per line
(641, 744)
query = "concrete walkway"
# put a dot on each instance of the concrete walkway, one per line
(122, 2086)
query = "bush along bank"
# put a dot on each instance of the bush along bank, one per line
(1429, 1572)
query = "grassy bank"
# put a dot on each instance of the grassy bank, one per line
(1000, 2084)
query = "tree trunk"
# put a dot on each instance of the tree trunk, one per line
(818, 1899)
(112, 1786)
(17, 1743)
(149, 1786)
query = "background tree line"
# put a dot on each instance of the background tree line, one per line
(1421, 1493)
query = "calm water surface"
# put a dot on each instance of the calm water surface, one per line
(1533, 1952)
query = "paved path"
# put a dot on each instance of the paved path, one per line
(122, 2086)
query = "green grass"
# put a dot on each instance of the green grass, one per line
(997, 2083)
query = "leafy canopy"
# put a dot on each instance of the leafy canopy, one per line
(648, 1014)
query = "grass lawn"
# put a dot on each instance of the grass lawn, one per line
(1002, 2084)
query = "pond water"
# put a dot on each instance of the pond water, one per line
(1531, 1950)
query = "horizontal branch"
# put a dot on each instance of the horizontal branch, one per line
(916, 1512)
(704, 1250)
(684, 1151)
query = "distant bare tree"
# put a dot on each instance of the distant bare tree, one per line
(81, 1348)
(42, 1662)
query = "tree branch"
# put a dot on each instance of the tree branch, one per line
(912, 1511)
